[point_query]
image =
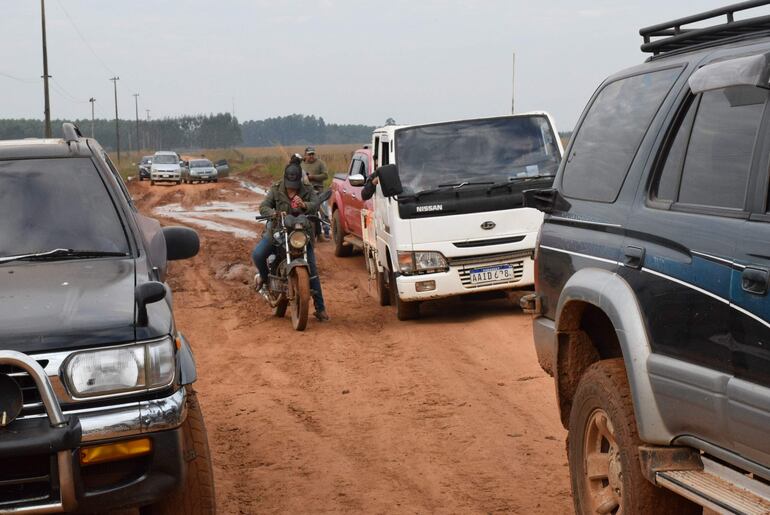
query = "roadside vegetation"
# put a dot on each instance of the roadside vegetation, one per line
(252, 160)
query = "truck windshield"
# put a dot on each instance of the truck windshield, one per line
(475, 151)
(48, 204)
(165, 159)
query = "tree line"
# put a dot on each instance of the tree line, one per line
(200, 131)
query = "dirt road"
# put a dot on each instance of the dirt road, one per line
(448, 414)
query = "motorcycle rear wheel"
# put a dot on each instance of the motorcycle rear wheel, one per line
(300, 302)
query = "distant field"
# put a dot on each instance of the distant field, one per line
(268, 160)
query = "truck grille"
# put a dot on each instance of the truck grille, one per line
(26, 480)
(31, 395)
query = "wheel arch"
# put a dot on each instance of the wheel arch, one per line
(592, 299)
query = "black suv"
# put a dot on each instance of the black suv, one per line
(97, 409)
(652, 276)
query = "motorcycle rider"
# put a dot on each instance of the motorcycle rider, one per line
(290, 195)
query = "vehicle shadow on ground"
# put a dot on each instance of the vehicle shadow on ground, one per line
(469, 308)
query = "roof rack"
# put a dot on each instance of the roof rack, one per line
(673, 37)
(70, 131)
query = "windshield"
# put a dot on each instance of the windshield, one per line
(50, 204)
(201, 163)
(165, 159)
(146, 160)
(476, 151)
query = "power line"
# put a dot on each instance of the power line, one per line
(19, 79)
(72, 22)
(66, 93)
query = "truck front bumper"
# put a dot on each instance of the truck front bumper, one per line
(40, 455)
(457, 281)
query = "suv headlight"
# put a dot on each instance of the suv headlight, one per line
(298, 239)
(422, 262)
(120, 369)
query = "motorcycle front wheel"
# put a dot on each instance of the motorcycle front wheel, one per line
(300, 302)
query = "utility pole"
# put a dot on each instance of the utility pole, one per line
(138, 144)
(148, 130)
(92, 100)
(117, 128)
(47, 108)
(513, 84)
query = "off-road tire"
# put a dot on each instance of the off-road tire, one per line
(603, 399)
(300, 304)
(338, 235)
(216, 180)
(404, 310)
(196, 497)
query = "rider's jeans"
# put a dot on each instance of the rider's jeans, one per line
(263, 250)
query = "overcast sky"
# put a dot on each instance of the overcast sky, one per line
(348, 61)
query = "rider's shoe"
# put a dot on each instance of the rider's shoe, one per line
(322, 316)
(257, 282)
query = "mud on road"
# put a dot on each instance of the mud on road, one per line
(448, 414)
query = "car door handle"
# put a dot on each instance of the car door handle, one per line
(344, 190)
(754, 280)
(634, 256)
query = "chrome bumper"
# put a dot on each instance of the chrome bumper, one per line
(131, 419)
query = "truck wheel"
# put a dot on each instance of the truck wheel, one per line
(196, 497)
(152, 183)
(383, 295)
(338, 234)
(404, 310)
(603, 449)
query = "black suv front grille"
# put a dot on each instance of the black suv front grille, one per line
(30, 393)
(25, 480)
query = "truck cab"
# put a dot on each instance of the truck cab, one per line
(347, 204)
(455, 224)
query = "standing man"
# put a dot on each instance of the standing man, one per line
(315, 170)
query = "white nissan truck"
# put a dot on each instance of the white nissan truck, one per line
(448, 211)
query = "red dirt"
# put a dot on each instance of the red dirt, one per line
(448, 414)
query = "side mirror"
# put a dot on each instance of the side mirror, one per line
(546, 200)
(390, 182)
(181, 243)
(147, 293)
(356, 179)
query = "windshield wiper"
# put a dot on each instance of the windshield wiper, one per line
(61, 253)
(442, 187)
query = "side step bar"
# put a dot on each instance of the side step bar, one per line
(351, 240)
(719, 488)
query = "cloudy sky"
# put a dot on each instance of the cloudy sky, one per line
(348, 61)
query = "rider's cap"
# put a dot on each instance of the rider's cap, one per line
(310, 150)
(292, 176)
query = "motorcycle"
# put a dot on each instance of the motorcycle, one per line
(288, 283)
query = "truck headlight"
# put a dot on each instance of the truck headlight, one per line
(422, 262)
(298, 239)
(120, 369)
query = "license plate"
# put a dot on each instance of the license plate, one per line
(492, 274)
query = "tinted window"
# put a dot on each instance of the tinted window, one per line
(201, 163)
(47, 204)
(716, 168)
(610, 135)
(668, 183)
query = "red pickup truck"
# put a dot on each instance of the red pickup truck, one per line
(346, 203)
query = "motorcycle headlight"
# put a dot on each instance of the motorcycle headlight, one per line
(120, 369)
(298, 239)
(422, 262)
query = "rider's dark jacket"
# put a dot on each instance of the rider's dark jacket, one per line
(278, 200)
